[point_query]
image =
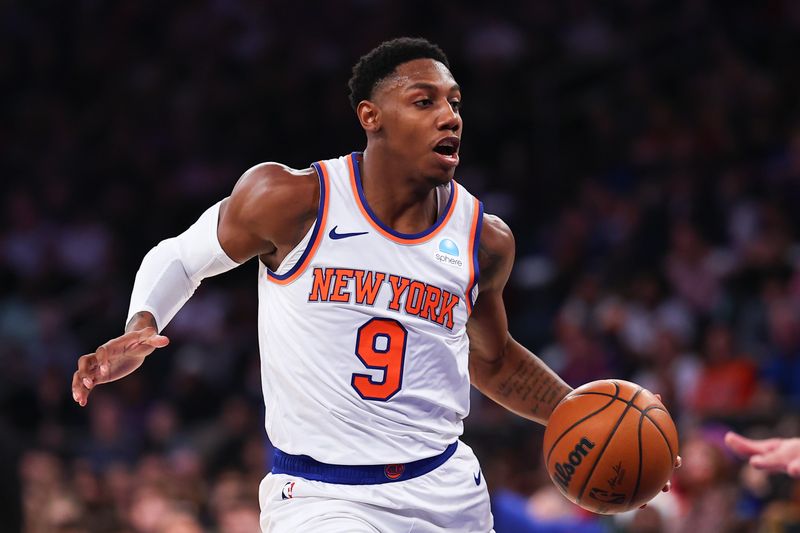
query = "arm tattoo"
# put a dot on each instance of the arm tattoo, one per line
(534, 385)
(488, 262)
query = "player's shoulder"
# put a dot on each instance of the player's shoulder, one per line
(496, 235)
(495, 252)
(276, 178)
(270, 185)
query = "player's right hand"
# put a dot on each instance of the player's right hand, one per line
(114, 360)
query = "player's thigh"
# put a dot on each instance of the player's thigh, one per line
(283, 510)
(452, 498)
(310, 516)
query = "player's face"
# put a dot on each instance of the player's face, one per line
(420, 117)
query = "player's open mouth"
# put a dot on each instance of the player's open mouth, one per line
(447, 149)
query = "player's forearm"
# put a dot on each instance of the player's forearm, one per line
(520, 382)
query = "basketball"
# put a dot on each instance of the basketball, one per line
(610, 446)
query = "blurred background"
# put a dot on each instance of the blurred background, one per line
(645, 153)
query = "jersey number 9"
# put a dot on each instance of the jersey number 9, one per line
(380, 345)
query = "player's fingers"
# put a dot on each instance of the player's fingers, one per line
(658, 397)
(79, 391)
(145, 332)
(103, 356)
(769, 461)
(667, 487)
(746, 447)
(87, 369)
(794, 468)
(125, 341)
(678, 462)
(118, 347)
(150, 336)
(156, 341)
(87, 363)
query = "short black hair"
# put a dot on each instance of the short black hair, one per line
(381, 61)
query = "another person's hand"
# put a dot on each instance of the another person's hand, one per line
(773, 455)
(114, 360)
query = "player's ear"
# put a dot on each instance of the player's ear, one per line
(369, 115)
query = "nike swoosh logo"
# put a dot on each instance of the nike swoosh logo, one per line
(334, 235)
(477, 477)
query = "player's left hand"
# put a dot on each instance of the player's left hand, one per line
(678, 463)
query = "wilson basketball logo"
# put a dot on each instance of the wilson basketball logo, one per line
(394, 471)
(565, 470)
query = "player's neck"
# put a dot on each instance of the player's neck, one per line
(405, 204)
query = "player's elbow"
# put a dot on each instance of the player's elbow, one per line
(486, 365)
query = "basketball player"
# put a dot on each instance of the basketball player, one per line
(773, 455)
(380, 301)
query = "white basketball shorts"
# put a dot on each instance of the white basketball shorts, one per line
(450, 498)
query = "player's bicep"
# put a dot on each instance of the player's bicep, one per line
(488, 325)
(252, 215)
(239, 241)
(487, 329)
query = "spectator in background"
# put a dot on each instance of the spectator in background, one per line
(578, 355)
(782, 367)
(546, 510)
(728, 381)
(110, 439)
(706, 491)
(673, 371)
(240, 517)
(649, 309)
(691, 269)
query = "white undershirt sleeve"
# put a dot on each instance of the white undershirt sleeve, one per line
(171, 271)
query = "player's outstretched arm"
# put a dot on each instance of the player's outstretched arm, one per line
(270, 204)
(500, 367)
(773, 455)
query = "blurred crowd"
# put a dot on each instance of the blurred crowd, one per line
(645, 153)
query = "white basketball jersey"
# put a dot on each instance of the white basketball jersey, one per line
(362, 330)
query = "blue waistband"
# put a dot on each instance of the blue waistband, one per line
(308, 468)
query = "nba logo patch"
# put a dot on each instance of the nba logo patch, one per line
(447, 253)
(394, 471)
(286, 493)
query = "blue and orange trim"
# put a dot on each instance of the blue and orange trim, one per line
(308, 468)
(316, 235)
(475, 234)
(383, 229)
